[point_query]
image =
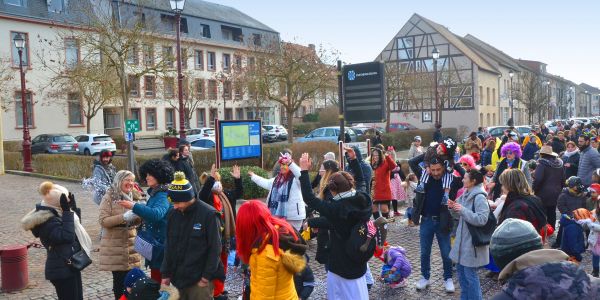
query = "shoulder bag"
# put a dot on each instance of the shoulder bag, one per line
(481, 235)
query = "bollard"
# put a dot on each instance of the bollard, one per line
(13, 262)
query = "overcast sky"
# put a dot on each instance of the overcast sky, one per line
(563, 34)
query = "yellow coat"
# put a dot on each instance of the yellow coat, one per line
(272, 277)
(526, 140)
(495, 157)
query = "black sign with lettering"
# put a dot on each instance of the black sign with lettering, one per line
(364, 92)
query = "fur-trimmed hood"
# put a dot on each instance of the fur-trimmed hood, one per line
(37, 216)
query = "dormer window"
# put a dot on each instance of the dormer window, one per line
(231, 33)
(15, 2)
(56, 6)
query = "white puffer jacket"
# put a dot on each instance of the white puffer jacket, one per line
(296, 209)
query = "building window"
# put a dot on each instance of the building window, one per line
(200, 117)
(169, 118)
(231, 33)
(212, 89)
(184, 58)
(15, 51)
(19, 111)
(228, 114)
(480, 95)
(226, 62)
(112, 120)
(489, 120)
(239, 113)
(132, 56)
(168, 55)
(169, 87)
(494, 119)
(227, 90)
(148, 55)
(71, 53)
(487, 96)
(238, 91)
(135, 114)
(199, 60)
(200, 93)
(183, 26)
(212, 61)
(238, 61)
(149, 86)
(212, 115)
(481, 119)
(15, 2)
(251, 62)
(56, 6)
(205, 31)
(493, 97)
(134, 85)
(150, 118)
(74, 108)
(256, 39)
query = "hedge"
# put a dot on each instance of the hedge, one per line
(251, 190)
(305, 128)
(403, 139)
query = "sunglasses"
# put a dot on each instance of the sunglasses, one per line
(509, 152)
(464, 164)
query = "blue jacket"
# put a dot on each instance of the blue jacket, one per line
(529, 151)
(154, 215)
(573, 241)
(486, 157)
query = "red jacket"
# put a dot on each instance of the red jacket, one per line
(382, 190)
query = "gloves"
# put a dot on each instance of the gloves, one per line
(64, 203)
(72, 203)
(129, 216)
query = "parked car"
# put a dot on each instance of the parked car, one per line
(198, 133)
(54, 143)
(92, 144)
(278, 130)
(360, 131)
(497, 131)
(268, 136)
(399, 126)
(330, 134)
(203, 143)
(583, 121)
(523, 130)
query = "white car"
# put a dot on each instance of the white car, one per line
(583, 121)
(198, 133)
(92, 144)
(203, 144)
(280, 132)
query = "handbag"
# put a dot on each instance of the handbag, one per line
(146, 245)
(481, 235)
(79, 260)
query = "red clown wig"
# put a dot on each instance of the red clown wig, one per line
(255, 228)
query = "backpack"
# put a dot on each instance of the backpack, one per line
(360, 245)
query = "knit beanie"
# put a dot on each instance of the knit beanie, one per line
(180, 190)
(132, 276)
(144, 289)
(513, 238)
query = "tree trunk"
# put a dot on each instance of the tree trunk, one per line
(387, 118)
(88, 121)
(290, 122)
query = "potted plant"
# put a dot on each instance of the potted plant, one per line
(170, 138)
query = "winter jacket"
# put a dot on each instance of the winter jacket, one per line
(502, 166)
(526, 208)
(272, 276)
(116, 245)
(437, 136)
(486, 157)
(546, 274)
(548, 180)
(589, 161)
(527, 138)
(193, 246)
(323, 241)
(342, 215)
(102, 178)
(473, 145)
(415, 151)
(568, 202)
(594, 227)
(496, 157)
(363, 185)
(233, 195)
(463, 252)
(529, 151)
(183, 165)
(296, 209)
(154, 219)
(396, 257)
(573, 160)
(558, 146)
(57, 234)
(304, 282)
(573, 239)
(382, 187)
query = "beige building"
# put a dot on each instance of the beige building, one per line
(212, 38)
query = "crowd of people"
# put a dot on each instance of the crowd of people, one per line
(488, 201)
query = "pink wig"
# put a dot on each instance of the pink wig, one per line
(513, 147)
(469, 160)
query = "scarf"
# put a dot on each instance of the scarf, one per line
(82, 236)
(568, 153)
(223, 206)
(279, 198)
(346, 194)
(159, 188)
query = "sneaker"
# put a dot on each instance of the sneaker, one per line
(400, 284)
(422, 283)
(449, 285)
(397, 214)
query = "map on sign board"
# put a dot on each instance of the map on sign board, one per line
(240, 139)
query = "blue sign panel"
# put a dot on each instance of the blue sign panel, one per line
(240, 139)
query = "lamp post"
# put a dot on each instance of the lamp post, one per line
(587, 109)
(20, 45)
(177, 7)
(438, 110)
(570, 102)
(510, 101)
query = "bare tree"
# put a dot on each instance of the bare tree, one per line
(535, 97)
(6, 77)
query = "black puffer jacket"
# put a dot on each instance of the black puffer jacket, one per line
(183, 165)
(57, 234)
(573, 161)
(342, 214)
(548, 180)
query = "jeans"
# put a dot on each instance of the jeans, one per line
(595, 262)
(429, 228)
(468, 279)
(551, 215)
(119, 283)
(69, 288)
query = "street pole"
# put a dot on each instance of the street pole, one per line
(180, 79)
(511, 101)
(435, 54)
(26, 137)
(340, 101)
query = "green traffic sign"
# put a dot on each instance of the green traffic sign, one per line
(132, 126)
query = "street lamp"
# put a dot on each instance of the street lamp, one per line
(438, 110)
(570, 101)
(510, 101)
(20, 45)
(177, 7)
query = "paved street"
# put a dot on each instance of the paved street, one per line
(21, 195)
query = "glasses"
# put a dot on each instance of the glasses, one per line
(464, 164)
(509, 152)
